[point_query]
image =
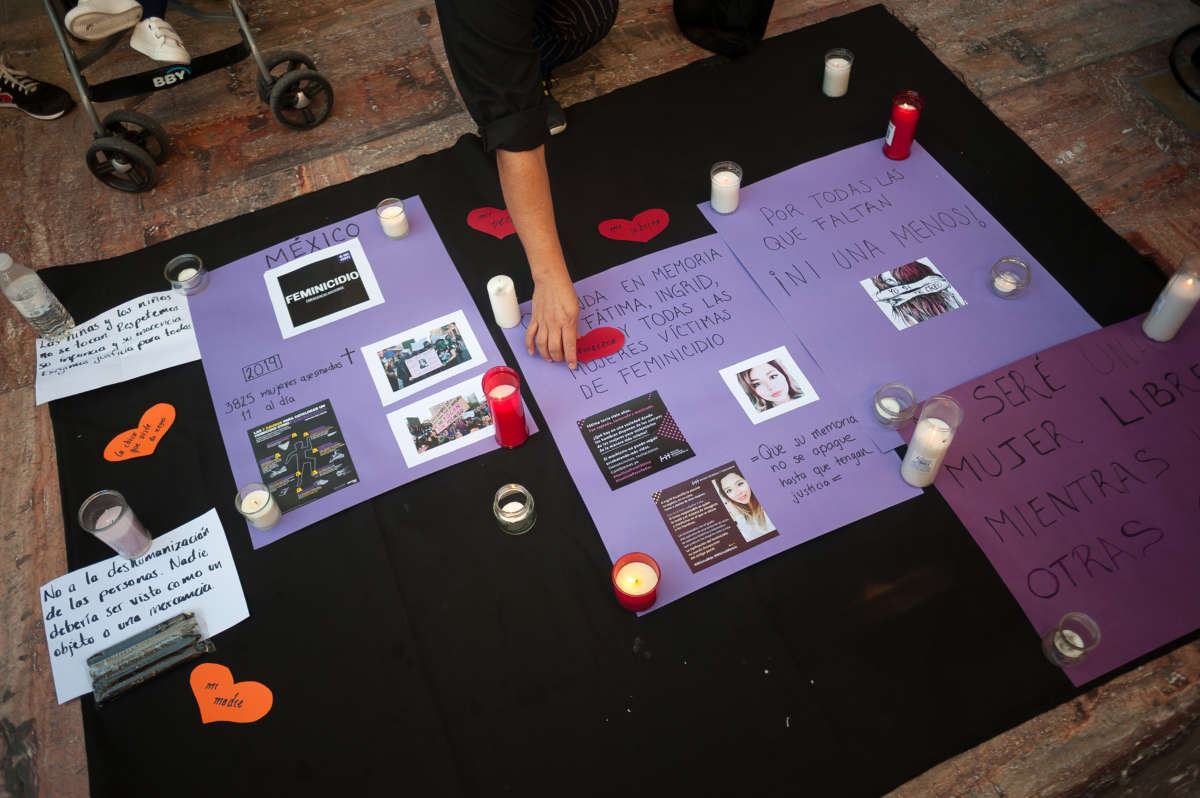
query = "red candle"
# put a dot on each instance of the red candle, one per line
(502, 387)
(906, 110)
(635, 580)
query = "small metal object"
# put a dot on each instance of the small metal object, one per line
(145, 655)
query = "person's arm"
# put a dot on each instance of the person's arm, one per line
(526, 186)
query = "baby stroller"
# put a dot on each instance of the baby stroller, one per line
(127, 146)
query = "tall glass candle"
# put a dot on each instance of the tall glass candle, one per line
(1176, 301)
(940, 417)
(108, 516)
(726, 179)
(902, 127)
(501, 386)
(635, 579)
(837, 72)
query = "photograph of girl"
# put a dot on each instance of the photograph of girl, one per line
(768, 384)
(913, 293)
(743, 506)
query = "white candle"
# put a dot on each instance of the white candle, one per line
(1068, 643)
(512, 508)
(725, 185)
(926, 451)
(837, 77)
(124, 535)
(889, 406)
(1172, 307)
(185, 275)
(393, 221)
(503, 295)
(261, 509)
(1005, 283)
(637, 578)
(501, 391)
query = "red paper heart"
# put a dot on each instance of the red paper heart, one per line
(220, 698)
(598, 343)
(493, 221)
(144, 439)
(645, 226)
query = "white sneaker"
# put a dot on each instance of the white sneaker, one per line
(156, 38)
(99, 19)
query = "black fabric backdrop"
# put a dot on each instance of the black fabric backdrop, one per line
(412, 646)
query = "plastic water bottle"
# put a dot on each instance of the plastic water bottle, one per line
(36, 302)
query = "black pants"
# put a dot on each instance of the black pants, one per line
(566, 29)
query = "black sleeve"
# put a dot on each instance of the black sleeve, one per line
(489, 44)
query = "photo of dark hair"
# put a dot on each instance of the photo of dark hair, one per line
(915, 292)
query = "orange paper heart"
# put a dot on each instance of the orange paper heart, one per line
(142, 440)
(220, 698)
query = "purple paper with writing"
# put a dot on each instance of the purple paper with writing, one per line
(303, 413)
(1075, 471)
(881, 267)
(711, 440)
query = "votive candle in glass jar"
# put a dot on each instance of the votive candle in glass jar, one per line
(940, 417)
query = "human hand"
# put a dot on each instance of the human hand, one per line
(555, 314)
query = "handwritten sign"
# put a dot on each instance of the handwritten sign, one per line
(598, 343)
(188, 569)
(143, 439)
(258, 379)
(641, 228)
(881, 268)
(221, 699)
(710, 401)
(493, 221)
(1075, 472)
(141, 336)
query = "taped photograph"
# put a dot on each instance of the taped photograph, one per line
(768, 385)
(912, 293)
(403, 364)
(321, 288)
(442, 423)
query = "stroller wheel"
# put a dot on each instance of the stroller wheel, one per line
(139, 129)
(121, 164)
(291, 60)
(302, 99)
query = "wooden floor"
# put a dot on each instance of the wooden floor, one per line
(1063, 75)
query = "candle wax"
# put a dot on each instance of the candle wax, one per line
(1172, 308)
(185, 275)
(512, 507)
(255, 501)
(725, 186)
(637, 578)
(1068, 643)
(1005, 282)
(889, 405)
(107, 517)
(837, 77)
(391, 212)
(501, 391)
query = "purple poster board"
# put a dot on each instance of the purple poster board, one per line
(307, 347)
(1075, 472)
(814, 237)
(673, 456)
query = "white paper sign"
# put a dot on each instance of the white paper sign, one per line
(143, 335)
(189, 569)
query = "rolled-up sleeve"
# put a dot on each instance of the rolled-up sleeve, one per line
(489, 44)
